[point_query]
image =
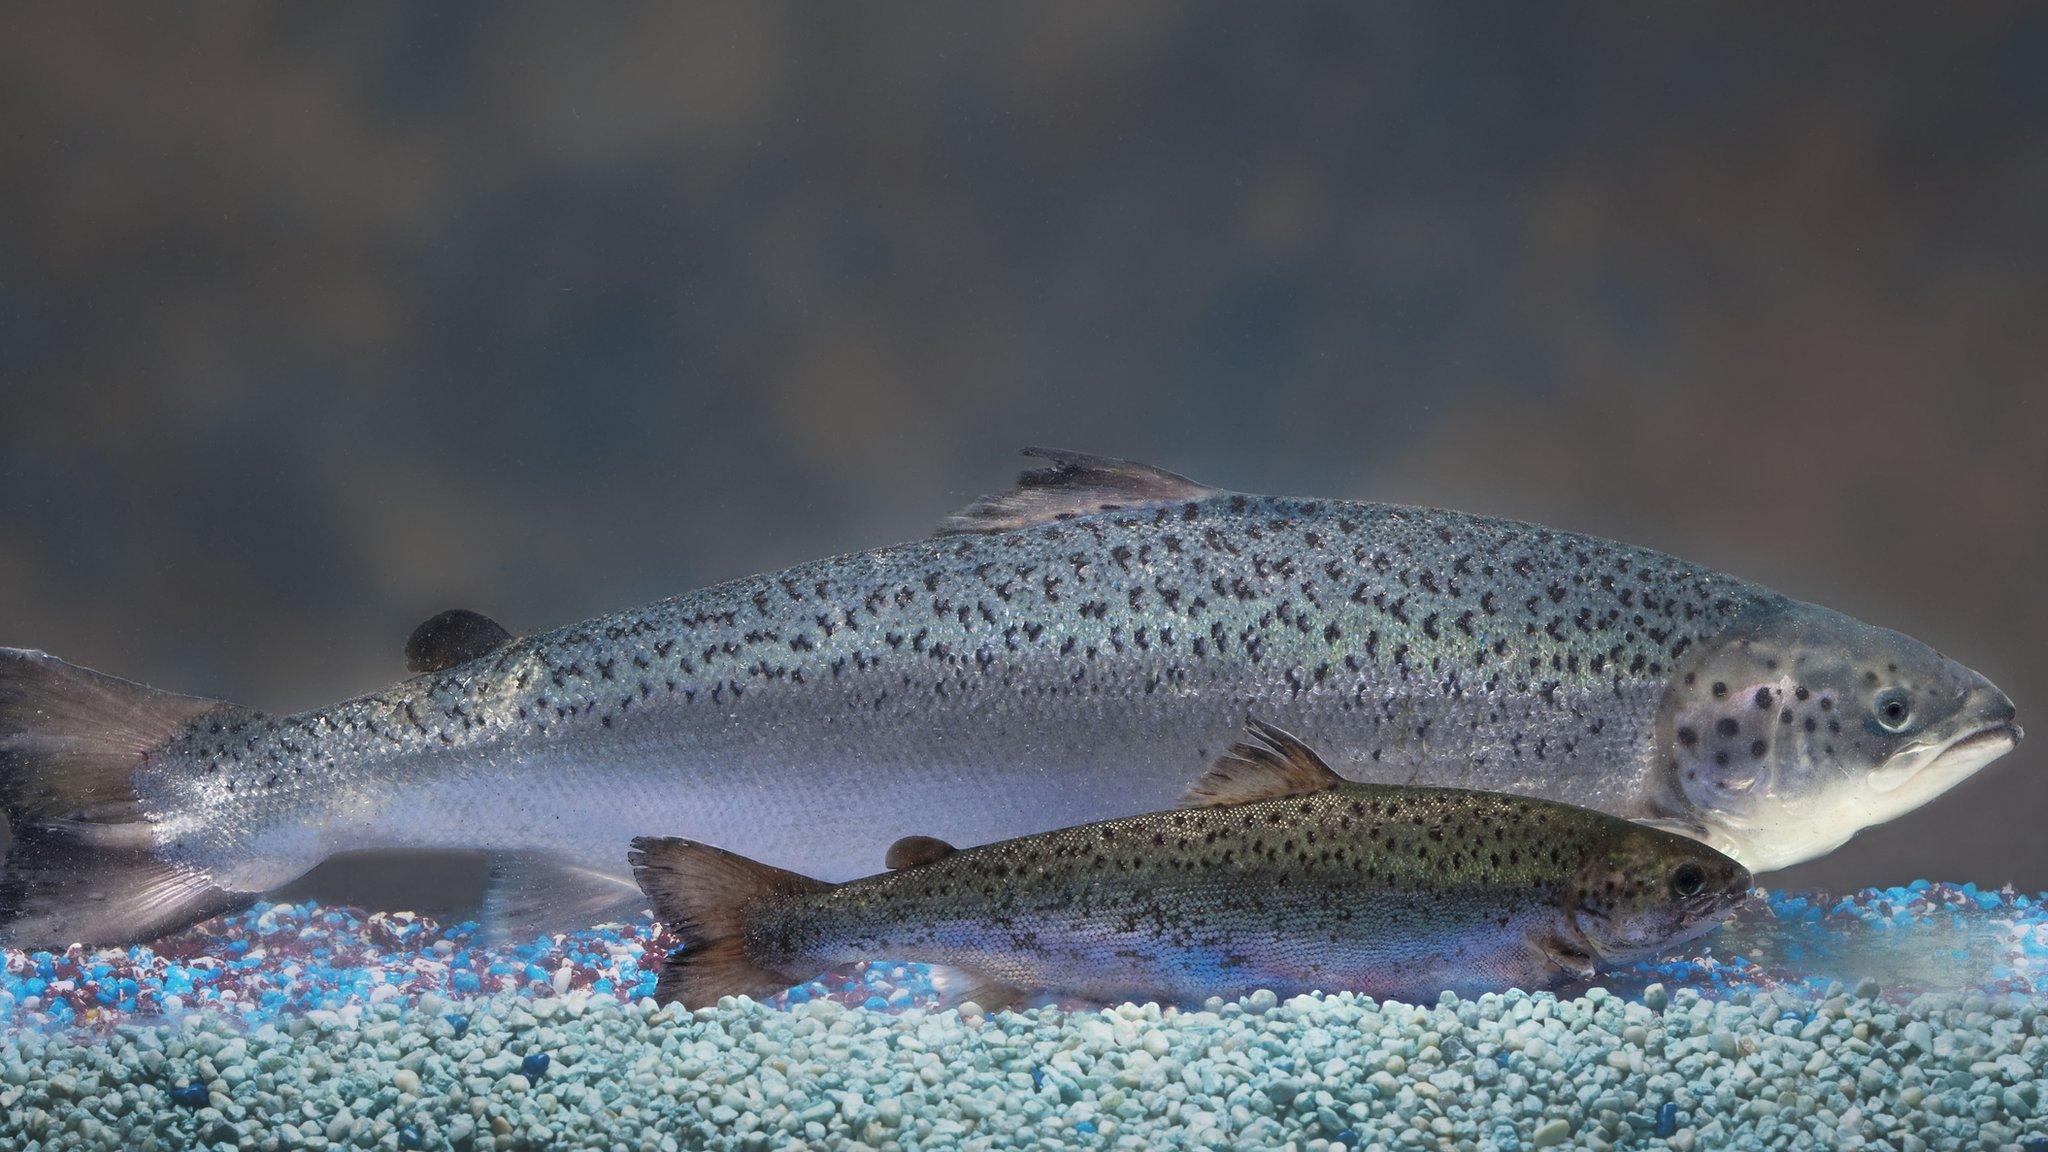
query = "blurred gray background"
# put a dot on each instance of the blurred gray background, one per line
(317, 319)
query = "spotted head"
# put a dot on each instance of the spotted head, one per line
(1800, 726)
(1644, 890)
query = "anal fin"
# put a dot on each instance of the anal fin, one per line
(542, 894)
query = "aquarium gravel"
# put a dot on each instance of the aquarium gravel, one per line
(1903, 1018)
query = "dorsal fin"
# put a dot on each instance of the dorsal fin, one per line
(456, 636)
(912, 851)
(1075, 484)
(1271, 765)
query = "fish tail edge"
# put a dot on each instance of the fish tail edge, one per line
(81, 863)
(708, 897)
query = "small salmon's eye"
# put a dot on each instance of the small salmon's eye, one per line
(1688, 881)
(1894, 710)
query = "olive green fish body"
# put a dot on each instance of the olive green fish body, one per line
(1400, 892)
(1378, 889)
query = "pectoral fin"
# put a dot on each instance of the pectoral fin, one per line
(957, 986)
(1563, 952)
(1685, 828)
(541, 894)
(1692, 830)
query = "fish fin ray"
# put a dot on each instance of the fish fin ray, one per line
(1690, 829)
(1073, 484)
(60, 890)
(82, 865)
(707, 896)
(1717, 839)
(1270, 766)
(1561, 952)
(956, 986)
(913, 851)
(454, 637)
(533, 894)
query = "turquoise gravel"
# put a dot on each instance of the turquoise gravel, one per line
(1314, 1073)
(1904, 1019)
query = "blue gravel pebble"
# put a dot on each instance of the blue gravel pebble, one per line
(534, 1066)
(410, 1137)
(1667, 1122)
(192, 1095)
(460, 1024)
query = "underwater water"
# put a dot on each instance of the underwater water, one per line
(1904, 1018)
(452, 451)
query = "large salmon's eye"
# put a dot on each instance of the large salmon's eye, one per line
(1894, 710)
(1688, 881)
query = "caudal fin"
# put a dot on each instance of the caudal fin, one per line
(708, 897)
(82, 864)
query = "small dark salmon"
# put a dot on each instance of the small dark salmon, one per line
(1277, 875)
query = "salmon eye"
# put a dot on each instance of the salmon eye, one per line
(1688, 881)
(1894, 710)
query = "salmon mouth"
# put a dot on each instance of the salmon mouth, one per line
(1995, 739)
(1952, 763)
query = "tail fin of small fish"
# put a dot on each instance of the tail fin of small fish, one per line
(81, 863)
(707, 897)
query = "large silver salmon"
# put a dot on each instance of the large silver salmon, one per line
(1058, 655)
(1276, 873)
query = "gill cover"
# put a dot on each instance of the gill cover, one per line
(1646, 890)
(1802, 726)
